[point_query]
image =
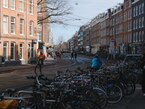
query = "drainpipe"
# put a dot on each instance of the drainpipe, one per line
(26, 61)
(0, 19)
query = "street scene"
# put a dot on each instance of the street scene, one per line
(72, 54)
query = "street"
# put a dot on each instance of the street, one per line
(17, 79)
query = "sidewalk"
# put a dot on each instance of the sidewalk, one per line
(3, 68)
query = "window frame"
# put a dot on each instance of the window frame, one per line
(13, 4)
(5, 24)
(5, 4)
(13, 24)
(22, 27)
(21, 5)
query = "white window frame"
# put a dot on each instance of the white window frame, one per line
(21, 26)
(13, 4)
(5, 24)
(5, 3)
(6, 47)
(21, 5)
(13, 25)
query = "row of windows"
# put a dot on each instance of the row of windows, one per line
(138, 23)
(12, 5)
(138, 10)
(138, 36)
(13, 25)
(13, 50)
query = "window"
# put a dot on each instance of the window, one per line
(22, 26)
(39, 9)
(133, 37)
(30, 50)
(39, 36)
(21, 4)
(140, 10)
(5, 50)
(137, 24)
(31, 28)
(139, 36)
(21, 51)
(12, 50)
(5, 24)
(12, 24)
(31, 6)
(5, 3)
(142, 21)
(142, 7)
(142, 35)
(136, 10)
(13, 4)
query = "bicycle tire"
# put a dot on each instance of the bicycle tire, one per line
(129, 87)
(114, 94)
(102, 97)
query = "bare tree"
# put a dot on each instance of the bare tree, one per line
(52, 10)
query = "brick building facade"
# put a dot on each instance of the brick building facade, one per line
(18, 29)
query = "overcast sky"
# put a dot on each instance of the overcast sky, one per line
(83, 11)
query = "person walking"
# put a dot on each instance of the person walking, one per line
(143, 74)
(72, 55)
(41, 58)
(75, 56)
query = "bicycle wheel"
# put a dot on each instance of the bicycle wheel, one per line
(114, 93)
(129, 87)
(32, 100)
(101, 98)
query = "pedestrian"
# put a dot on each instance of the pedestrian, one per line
(143, 74)
(41, 57)
(75, 56)
(96, 63)
(72, 55)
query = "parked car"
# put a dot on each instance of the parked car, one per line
(132, 58)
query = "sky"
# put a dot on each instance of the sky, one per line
(82, 12)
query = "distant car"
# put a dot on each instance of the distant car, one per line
(132, 58)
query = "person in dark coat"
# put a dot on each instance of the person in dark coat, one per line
(75, 56)
(72, 55)
(143, 74)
